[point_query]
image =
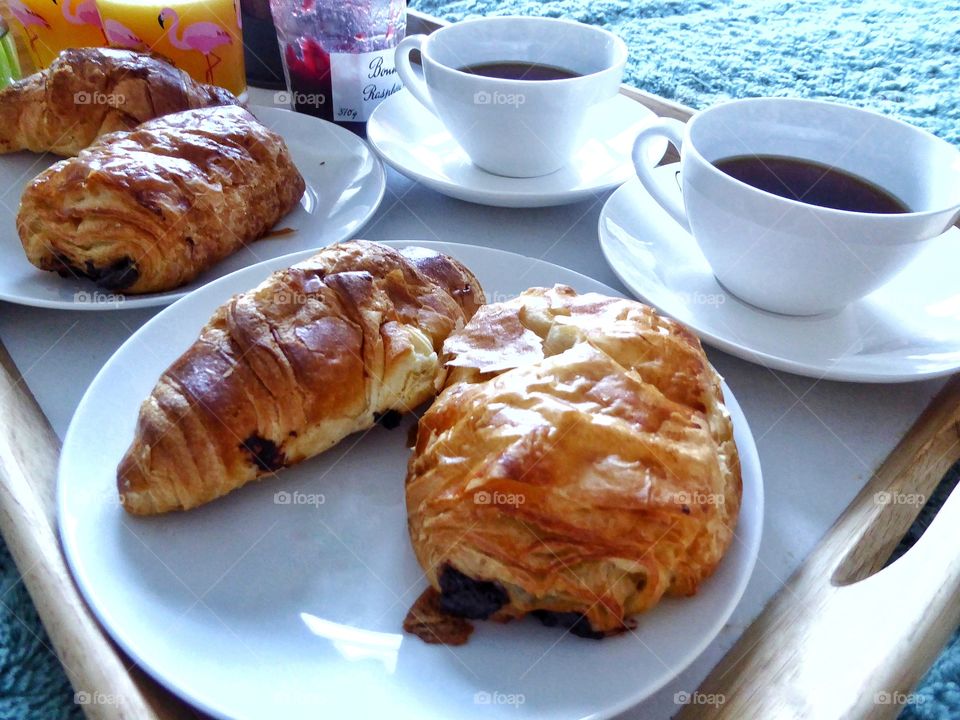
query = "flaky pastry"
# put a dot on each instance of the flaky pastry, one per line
(149, 210)
(89, 92)
(285, 371)
(579, 465)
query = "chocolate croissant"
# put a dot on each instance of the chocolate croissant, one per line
(149, 210)
(88, 92)
(579, 466)
(285, 371)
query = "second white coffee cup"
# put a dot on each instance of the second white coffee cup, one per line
(514, 127)
(789, 256)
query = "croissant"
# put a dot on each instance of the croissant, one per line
(285, 371)
(578, 466)
(149, 210)
(88, 92)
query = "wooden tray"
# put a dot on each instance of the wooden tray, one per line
(840, 633)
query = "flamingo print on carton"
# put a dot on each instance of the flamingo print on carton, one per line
(203, 37)
(28, 18)
(119, 35)
(86, 14)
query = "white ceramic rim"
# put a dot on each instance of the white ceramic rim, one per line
(750, 466)
(620, 48)
(689, 147)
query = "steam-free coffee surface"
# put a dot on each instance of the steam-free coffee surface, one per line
(519, 71)
(811, 182)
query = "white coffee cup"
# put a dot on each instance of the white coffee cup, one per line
(518, 128)
(788, 256)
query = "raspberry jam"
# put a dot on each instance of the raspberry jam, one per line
(311, 89)
(339, 55)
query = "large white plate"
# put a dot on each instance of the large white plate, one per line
(345, 184)
(249, 608)
(909, 329)
(414, 142)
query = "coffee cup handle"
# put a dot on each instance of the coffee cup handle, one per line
(673, 130)
(412, 81)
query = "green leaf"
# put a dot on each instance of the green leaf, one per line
(8, 48)
(6, 72)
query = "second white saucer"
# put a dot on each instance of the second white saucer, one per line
(909, 329)
(414, 142)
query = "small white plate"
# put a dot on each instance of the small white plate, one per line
(412, 140)
(909, 329)
(345, 184)
(255, 608)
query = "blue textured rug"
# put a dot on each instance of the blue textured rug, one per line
(32, 683)
(900, 58)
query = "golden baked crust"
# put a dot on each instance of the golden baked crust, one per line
(580, 464)
(288, 369)
(88, 92)
(149, 210)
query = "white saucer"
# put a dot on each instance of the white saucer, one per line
(907, 330)
(413, 141)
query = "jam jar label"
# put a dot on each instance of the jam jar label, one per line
(360, 82)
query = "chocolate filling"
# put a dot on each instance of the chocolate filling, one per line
(575, 622)
(390, 419)
(117, 276)
(479, 599)
(264, 453)
(469, 598)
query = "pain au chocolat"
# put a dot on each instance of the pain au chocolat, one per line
(149, 210)
(579, 466)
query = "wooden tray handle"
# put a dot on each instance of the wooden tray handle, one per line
(842, 639)
(108, 686)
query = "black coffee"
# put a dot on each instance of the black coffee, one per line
(810, 182)
(519, 71)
